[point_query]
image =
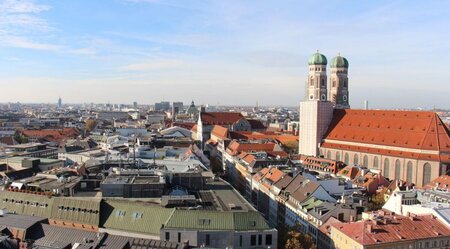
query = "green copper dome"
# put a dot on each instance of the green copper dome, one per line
(339, 61)
(317, 59)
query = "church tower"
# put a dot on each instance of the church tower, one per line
(315, 111)
(317, 78)
(338, 94)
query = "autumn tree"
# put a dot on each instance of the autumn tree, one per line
(298, 240)
(90, 125)
(291, 147)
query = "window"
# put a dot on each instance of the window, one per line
(356, 159)
(329, 155)
(253, 240)
(346, 160)
(207, 240)
(311, 81)
(137, 215)
(334, 83)
(167, 236)
(259, 239)
(120, 213)
(323, 82)
(338, 156)
(386, 168)
(268, 239)
(240, 240)
(365, 161)
(179, 237)
(426, 173)
(375, 162)
(397, 169)
(409, 172)
(204, 222)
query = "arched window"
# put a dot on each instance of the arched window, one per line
(375, 162)
(365, 161)
(426, 173)
(355, 159)
(329, 155)
(386, 168)
(338, 156)
(409, 172)
(397, 169)
(346, 160)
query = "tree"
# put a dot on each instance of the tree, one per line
(298, 240)
(90, 125)
(291, 147)
(292, 238)
(21, 139)
(376, 202)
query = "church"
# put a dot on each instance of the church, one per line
(409, 145)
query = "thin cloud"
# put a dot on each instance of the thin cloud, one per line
(154, 65)
(22, 6)
(23, 42)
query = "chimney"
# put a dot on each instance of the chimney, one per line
(369, 228)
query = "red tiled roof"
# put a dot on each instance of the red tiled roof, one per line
(349, 171)
(281, 138)
(8, 140)
(185, 125)
(405, 129)
(235, 147)
(52, 134)
(442, 182)
(220, 131)
(248, 158)
(220, 118)
(281, 154)
(269, 176)
(396, 229)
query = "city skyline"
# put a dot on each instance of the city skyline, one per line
(148, 50)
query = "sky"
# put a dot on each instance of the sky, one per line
(232, 52)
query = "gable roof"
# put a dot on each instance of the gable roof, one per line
(26, 204)
(399, 228)
(235, 147)
(300, 188)
(442, 182)
(417, 130)
(256, 124)
(216, 220)
(81, 210)
(53, 135)
(220, 131)
(119, 215)
(220, 118)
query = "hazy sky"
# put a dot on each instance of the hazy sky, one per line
(222, 51)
